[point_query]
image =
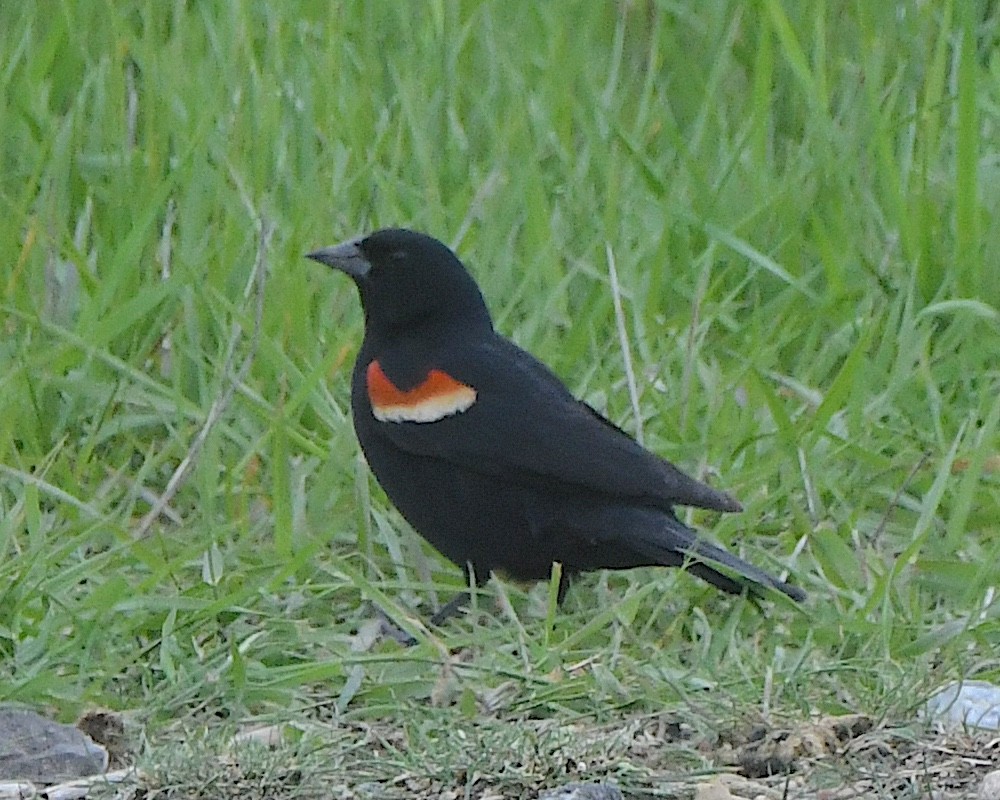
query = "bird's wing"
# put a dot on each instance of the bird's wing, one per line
(524, 425)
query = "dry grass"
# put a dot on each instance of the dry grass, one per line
(658, 756)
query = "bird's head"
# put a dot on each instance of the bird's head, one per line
(406, 280)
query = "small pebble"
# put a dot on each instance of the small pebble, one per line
(974, 704)
(989, 789)
(582, 791)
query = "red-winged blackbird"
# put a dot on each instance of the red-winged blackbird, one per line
(486, 453)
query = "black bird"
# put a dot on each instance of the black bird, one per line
(488, 455)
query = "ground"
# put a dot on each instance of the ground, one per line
(648, 756)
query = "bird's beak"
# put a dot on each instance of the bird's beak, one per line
(346, 256)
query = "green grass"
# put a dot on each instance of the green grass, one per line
(801, 203)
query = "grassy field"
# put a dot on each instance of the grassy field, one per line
(800, 200)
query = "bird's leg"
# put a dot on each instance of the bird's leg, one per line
(564, 581)
(389, 628)
(446, 612)
(453, 606)
(449, 609)
(393, 631)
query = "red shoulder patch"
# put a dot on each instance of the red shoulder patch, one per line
(437, 396)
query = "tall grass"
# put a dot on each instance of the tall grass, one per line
(800, 203)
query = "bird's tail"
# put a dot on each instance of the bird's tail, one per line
(683, 547)
(754, 577)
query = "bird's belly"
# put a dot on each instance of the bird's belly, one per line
(468, 517)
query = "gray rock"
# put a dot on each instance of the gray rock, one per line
(582, 791)
(33, 748)
(973, 704)
(989, 789)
